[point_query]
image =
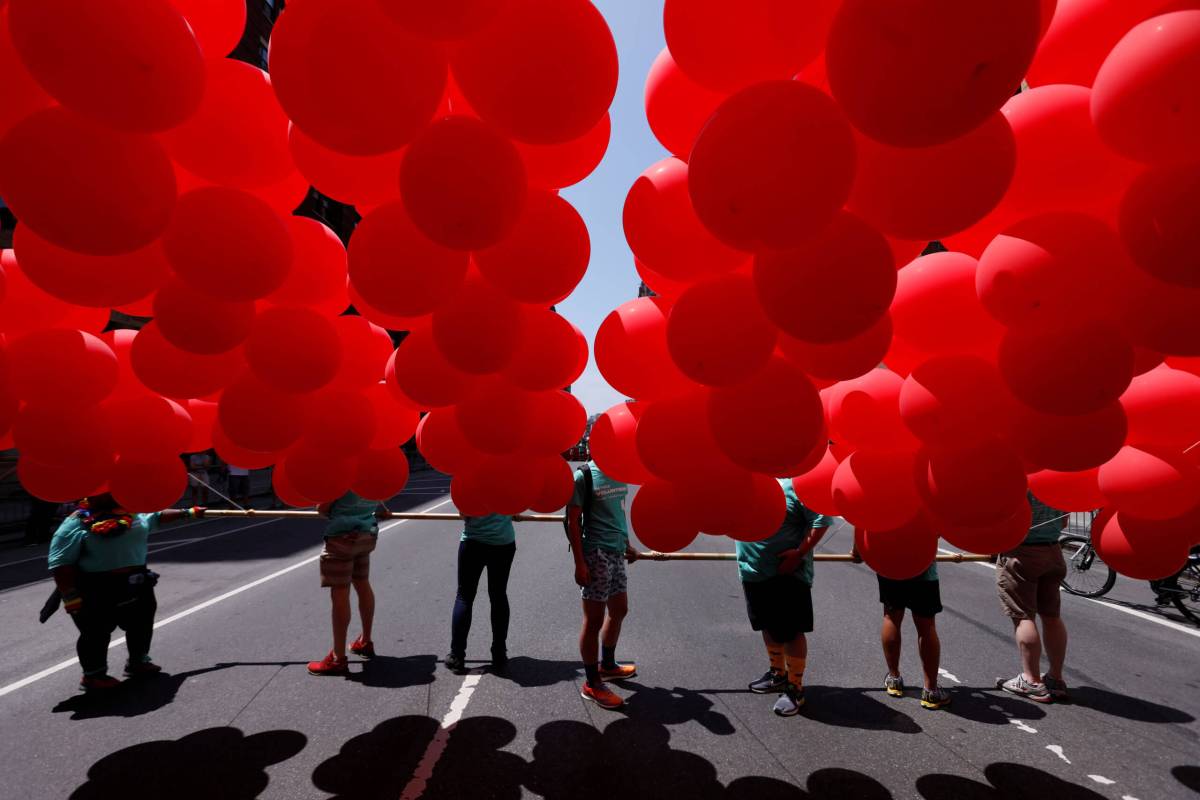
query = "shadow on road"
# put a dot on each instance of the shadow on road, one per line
(856, 708)
(1189, 776)
(992, 707)
(674, 707)
(1121, 705)
(534, 672)
(1007, 781)
(211, 763)
(390, 672)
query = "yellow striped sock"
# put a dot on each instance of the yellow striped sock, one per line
(775, 653)
(795, 670)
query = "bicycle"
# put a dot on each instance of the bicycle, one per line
(1087, 575)
(1182, 589)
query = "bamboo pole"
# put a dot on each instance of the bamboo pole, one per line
(951, 558)
(304, 514)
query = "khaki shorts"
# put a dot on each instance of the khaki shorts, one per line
(346, 558)
(1028, 579)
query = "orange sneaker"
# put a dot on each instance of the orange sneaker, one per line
(621, 672)
(601, 695)
(330, 665)
(363, 649)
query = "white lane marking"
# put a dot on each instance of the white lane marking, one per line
(437, 746)
(1128, 797)
(1131, 611)
(1103, 781)
(1023, 726)
(37, 676)
(948, 675)
(1058, 751)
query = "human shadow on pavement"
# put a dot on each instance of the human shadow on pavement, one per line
(392, 672)
(674, 707)
(992, 706)
(1007, 782)
(531, 673)
(1121, 705)
(211, 763)
(1188, 775)
(856, 708)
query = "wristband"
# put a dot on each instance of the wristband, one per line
(72, 601)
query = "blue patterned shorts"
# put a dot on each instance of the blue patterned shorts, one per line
(607, 575)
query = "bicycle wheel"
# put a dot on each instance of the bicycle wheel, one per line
(1187, 599)
(1087, 575)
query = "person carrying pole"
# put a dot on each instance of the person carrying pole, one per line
(488, 542)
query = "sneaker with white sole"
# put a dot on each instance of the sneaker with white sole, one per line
(772, 681)
(935, 698)
(894, 685)
(1036, 692)
(601, 695)
(790, 702)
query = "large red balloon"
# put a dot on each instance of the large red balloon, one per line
(174, 372)
(149, 428)
(148, 485)
(675, 441)
(543, 71)
(366, 348)
(848, 265)
(98, 281)
(420, 372)
(631, 350)
(217, 24)
(1160, 223)
(294, 349)
(1152, 481)
(956, 399)
(769, 423)
(395, 422)
(448, 20)
(351, 79)
(1163, 407)
(937, 311)
(556, 166)
(865, 412)
(663, 230)
(1093, 358)
(676, 106)
(1069, 444)
(463, 183)
(477, 330)
(550, 353)
(56, 436)
(204, 417)
(558, 484)
(901, 553)
(815, 486)
(979, 484)
(544, 258)
(613, 444)
(231, 453)
(844, 360)
(1069, 491)
(774, 165)
(876, 489)
(509, 483)
(340, 422)
(22, 94)
(718, 334)
(926, 193)
(898, 89)
(257, 416)
(1160, 316)
(660, 519)
(131, 64)
(496, 417)
(318, 475)
(765, 513)
(86, 187)
(286, 492)
(382, 474)
(1136, 550)
(65, 483)
(558, 421)
(25, 307)
(363, 180)
(398, 269)
(62, 368)
(198, 322)
(443, 444)
(998, 538)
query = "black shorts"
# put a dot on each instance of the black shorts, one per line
(782, 606)
(923, 598)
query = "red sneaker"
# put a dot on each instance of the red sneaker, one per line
(621, 672)
(330, 665)
(364, 650)
(141, 669)
(98, 683)
(602, 696)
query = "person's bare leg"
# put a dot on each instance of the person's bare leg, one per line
(340, 598)
(618, 607)
(366, 607)
(589, 633)
(930, 648)
(1029, 645)
(1054, 635)
(890, 636)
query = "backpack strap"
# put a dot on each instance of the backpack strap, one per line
(586, 509)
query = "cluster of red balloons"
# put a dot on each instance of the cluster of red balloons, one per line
(813, 152)
(164, 185)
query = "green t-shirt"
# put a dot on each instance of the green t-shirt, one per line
(1046, 525)
(73, 545)
(758, 561)
(352, 514)
(604, 526)
(489, 529)
(930, 574)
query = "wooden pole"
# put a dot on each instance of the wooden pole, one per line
(952, 558)
(303, 514)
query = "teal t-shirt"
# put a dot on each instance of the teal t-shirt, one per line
(758, 561)
(73, 545)
(489, 529)
(604, 526)
(1047, 523)
(352, 514)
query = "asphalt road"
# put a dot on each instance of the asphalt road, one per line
(237, 716)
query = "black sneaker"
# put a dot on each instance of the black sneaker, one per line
(456, 664)
(790, 702)
(770, 683)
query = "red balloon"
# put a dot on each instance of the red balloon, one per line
(1069, 491)
(558, 485)
(363, 180)
(217, 24)
(478, 329)
(1135, 550)
(998, 538)
(897, 89)
(551, 353)
(726, 47)
(284, 197)
(558, 423)
(257, 416)
(848, 265)
(717, 333)
(389, 322)
(927, 193)
(340, 422)
(977, 485)
(773, 166)
(1151, 481)
(382, 474)
(321, 476)
(1160, 316)
(204, 416)
(657, 283)
(420, 372)
(676, 106)
(62, 368)
(466, 491)
(631, 350)
(937, 311)
(317, 278)
(120, 341)
(452, 19)
(147, 486)
(463, 183)
(663, 230)
(443, 444)
(149, 428)
(85, 187)
(875, 489)
(173, 372)
(544, 258)
(724, 513)
(660, 518)
(1069, 443)
(397, 269)
(765, 513)
(57, 436)
(557, 166)
(613, 444)
(231, 453)
(1163, 407)
(901, 553)
(95, 281)
(675, 441)
(770, 422)
(294, 349)
(24, 307)
(92, 68)
(249, 260)
(395, 422)
(1091, 357)
(286, 492)
(1160, 223)
(865, 412)
(509, 483)
(497, 417)
(366, 348)
(956, 398)
(22, 94)
(815, 486)
(352, 80)
(63, 484)
(543, 71)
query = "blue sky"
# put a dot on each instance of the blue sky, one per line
(611, 278)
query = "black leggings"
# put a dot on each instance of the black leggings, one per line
(473, 558)
(110, 602)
